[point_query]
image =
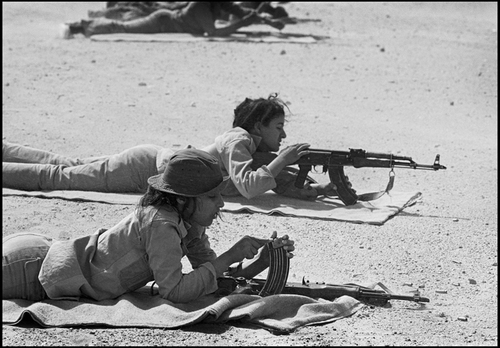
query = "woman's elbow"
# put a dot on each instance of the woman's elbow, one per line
(175, 297)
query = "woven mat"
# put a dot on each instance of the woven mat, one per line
(277, 313)
(375, 212)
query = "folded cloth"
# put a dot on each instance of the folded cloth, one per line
(83, 196)
(277, 313)
(375, 212)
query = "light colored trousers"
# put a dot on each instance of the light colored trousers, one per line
(160, 21)
(30, 169)
(22, 257)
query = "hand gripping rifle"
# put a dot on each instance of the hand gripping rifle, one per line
(276, 283)
(334, 162)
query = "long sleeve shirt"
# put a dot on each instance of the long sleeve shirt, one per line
(234, 149)
(146, 245)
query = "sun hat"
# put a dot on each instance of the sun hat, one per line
(191, 173)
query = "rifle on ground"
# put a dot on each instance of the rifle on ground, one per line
(229, 285)
(276, 283)
(334, 162)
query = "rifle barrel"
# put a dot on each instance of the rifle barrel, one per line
(360, 158)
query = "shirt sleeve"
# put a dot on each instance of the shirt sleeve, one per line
(199, 250)
(164, 250)
(237, 159)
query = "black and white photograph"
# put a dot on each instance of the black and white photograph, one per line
(250, 173)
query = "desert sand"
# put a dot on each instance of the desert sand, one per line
(413, 79)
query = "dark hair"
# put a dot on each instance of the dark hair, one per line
(262, 110)
(156, 197)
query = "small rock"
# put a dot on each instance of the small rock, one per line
(407, 284)
(455, 284)
(441, 291)
(142, 84)
(472, 281)
(462, 318)
(455, 220)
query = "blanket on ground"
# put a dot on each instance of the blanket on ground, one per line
(276, 313)
(240, 36)
(375, 212)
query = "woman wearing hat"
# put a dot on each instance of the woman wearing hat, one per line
(148, 244)
(258, 125)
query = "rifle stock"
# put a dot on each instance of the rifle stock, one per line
(334, 162)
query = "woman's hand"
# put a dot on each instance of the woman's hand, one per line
(246, 248)
(250, 268)
(292, 153)
(284, 242)
(308, 192)
(325, 189)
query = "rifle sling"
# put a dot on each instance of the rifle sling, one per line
(371, 196)
(277, 274)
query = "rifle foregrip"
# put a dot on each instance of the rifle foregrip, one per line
(344, 190)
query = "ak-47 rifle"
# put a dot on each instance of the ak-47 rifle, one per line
(334, 162)
(325, 291)
(276, 283)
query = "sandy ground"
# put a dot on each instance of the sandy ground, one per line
(414, 79)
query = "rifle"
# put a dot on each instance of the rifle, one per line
(334, 162)
(230, 285)
(276, 283)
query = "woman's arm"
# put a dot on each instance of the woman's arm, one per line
(287, 156)
(246, 248)
(163, 244)
(235, 154)
(250, 268)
